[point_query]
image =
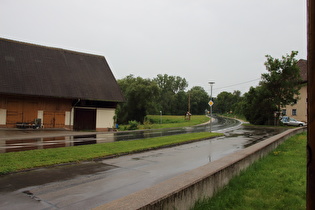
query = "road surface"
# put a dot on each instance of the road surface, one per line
(90, 184)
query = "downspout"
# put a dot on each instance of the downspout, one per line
(73, 111)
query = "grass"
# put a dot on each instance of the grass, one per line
(17, 161)
(237, 116)
(278, 181)
(170, 121)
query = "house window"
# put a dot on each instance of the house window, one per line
(293, 112)
(284, 112)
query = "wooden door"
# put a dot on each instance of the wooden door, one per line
(14, 113)
(84, 119)
(54, 119)
(29, 111)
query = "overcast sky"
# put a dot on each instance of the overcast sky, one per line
(199, 40)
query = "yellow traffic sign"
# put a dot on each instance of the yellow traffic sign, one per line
(210, 103)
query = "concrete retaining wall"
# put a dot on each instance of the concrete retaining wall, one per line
(181, 192)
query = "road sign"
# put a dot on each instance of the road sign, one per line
(210, 103)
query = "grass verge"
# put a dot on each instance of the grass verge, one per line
(16, 161)
(169, 121)
(278, 181)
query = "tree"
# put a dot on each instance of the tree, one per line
(226, 101)
(257, 108)
(199, 99)
(169, 87)
(278, 88)
(140, 96)
(181, 104)
(171, 83)
(282, 82)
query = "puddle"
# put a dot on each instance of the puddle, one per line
(12, 182)
(68, 141)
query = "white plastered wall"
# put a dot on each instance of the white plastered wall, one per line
(105, 117)
(40, 115)
(3, 116)
(68, 118)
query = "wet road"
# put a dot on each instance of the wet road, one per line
(25, 143)
(91, 184)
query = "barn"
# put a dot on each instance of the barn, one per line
(55, 88)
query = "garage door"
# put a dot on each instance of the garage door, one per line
(84, 119)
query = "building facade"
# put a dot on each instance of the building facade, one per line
(298, 110)
(58, 88)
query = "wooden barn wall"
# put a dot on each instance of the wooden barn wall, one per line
(27, 109)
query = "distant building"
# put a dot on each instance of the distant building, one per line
(62, 88)
(298, 110)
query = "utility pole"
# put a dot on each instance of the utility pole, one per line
(160, 117)
(189, 102)
(310, 186)
(211, 103)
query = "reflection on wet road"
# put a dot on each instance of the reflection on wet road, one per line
(91, 184)
(67, 141)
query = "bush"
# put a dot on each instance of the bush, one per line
(133, 125)
(147, 124)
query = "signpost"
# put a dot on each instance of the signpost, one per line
(211, 103)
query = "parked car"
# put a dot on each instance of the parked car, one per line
(291, 121)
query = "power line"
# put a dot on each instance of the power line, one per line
(237, 84)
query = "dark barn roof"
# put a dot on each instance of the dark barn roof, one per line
(35, 70)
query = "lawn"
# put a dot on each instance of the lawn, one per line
(278, 181)
(17, 161)
(169, 121)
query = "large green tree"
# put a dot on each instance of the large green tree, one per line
(279, 87)
(171, 83)
(227, 102)
(199, 99)
(282, 82)
(140, 95)
(257, 107)
(169, 87)
(181, 105)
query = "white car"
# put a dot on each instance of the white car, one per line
(292, 122)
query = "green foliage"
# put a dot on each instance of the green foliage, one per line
(172, 84)
(133, 125)
(199, 99)
(172, 98)
(235, 115)
(181, 99)
(168, 121)
(147, 124)
(228, 102)
(16, 161)
(282, 82)
(278, 181)
(139, 94)
(163, 93)
(278, 88)
(172, 121)
(257, 107)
